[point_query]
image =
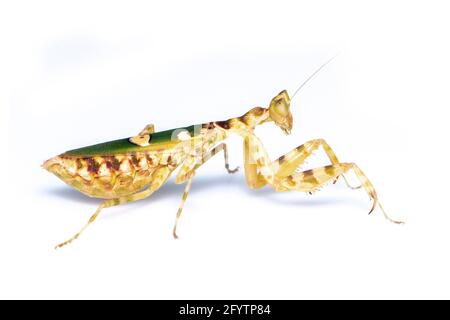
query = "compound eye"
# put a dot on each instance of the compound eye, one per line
(281, 108)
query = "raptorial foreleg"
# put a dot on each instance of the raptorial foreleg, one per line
(314, 179)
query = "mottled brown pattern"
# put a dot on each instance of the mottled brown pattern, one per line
(329, 170)
(109, 177)
(243, 119)
(108, 162)
(311, 180)
(115, 164)
(79, 164)
(92, 165)
(308, 173)
(135, 160)
(224, 124)
(149, 160)
(258, 111)
(209, 126)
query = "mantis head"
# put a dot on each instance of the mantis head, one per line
(279, 110)
(280, 113)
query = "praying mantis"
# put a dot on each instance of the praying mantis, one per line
(132, 169)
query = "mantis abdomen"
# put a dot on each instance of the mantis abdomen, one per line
(110, 177)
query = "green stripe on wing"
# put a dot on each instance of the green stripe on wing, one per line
(122, 146)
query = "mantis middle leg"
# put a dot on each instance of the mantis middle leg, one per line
(187, 173)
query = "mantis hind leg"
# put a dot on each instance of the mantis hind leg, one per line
(160, 177)
(180, 209)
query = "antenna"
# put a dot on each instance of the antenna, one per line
(312, 75)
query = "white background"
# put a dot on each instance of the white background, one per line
(86, 72)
